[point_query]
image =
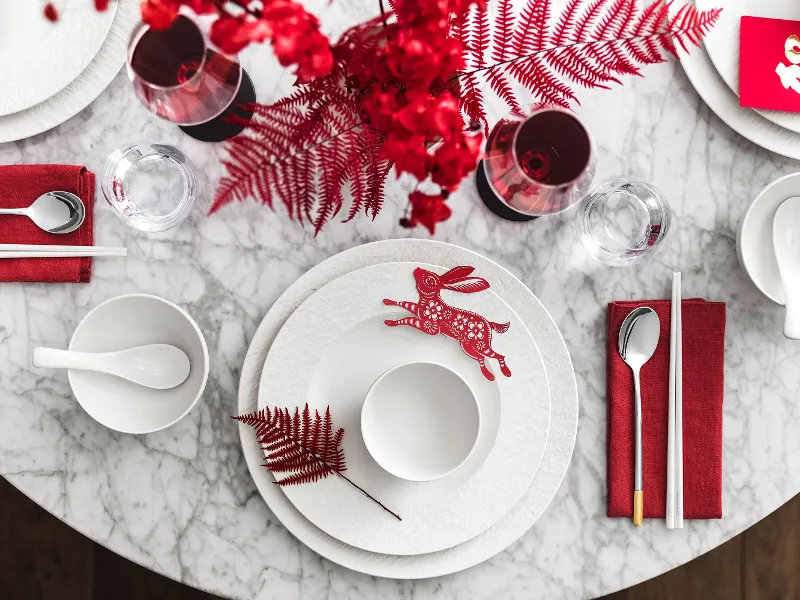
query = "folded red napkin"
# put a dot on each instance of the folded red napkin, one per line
(20, 185)
(703, 361)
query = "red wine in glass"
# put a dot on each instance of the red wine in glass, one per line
(179, 77)
(535, 165)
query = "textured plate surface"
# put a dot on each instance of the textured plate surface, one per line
(719, 97)
(39, 58)
(84, 88)
(560, 441)
(323, 356)
(722, 43)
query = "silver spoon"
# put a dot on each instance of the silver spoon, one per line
(638, 338)
(54, 212)
(158, 366)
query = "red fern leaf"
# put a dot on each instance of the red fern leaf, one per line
(478, 37)
(498, 82)
(565, 23)
(470, 98)
(503, 29)
(308, 449)
(530, 32)
(586, 21)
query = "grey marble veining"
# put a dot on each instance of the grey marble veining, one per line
(181, 501)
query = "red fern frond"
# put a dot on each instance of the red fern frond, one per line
(477, 29)
(307, 448)
(591, 44)
(503, 30)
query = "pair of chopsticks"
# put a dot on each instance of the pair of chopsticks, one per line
(46, 251)
(675, 424)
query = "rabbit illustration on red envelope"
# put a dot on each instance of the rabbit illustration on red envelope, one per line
(433, 316)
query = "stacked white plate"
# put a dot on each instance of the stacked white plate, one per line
(324, 342)
(53, 70)
(713, 70)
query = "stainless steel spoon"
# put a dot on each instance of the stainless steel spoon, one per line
(54, 212)
(638, 338)
(158, 366)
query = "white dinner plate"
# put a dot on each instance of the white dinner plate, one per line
(720, 99)
(754, 240)
(39, 58)
(329, 353)
(560, 441)
(722, 43)
(84, 88)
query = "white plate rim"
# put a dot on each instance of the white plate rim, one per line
(558, 452)
(718, 46)
(388, 540)
(82, 91)
(57, 75)
(709, 85)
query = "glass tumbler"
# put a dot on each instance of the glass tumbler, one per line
(623, 221)
(152, 187)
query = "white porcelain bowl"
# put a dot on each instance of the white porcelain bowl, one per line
(420, 421)
(125, 322)
(754, 244)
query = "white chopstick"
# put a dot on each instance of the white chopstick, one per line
(44, 251)
(121, 251)
(679, 414)
(673, 342)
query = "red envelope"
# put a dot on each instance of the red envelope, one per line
(769, 64)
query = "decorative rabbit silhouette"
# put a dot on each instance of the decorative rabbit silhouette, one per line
(434, 316)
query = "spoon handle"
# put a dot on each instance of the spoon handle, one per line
(22, 212)
(51, 358)
(638, 493)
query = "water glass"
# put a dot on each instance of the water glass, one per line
(623, 221)
(152, 187)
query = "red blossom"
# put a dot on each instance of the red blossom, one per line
(50, 12)
(159, 14)
(101, 5)
(233, 34)
(428, 210)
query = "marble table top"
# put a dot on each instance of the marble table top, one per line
(182, 502)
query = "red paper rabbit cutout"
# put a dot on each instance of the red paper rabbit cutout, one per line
(434, 316)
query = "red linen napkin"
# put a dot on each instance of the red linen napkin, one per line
(703, 360)
(20, 185)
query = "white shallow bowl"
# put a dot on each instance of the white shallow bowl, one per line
(135, 320)
(754, 244)
(420, 421)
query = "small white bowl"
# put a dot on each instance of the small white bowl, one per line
(420, 421)
(754, 244)
(128, 321)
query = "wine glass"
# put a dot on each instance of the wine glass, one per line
(536, 164)
(181, 77)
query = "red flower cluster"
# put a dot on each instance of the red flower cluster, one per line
(294, 32)
(405, 94)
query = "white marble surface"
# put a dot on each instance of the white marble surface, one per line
(182, 502)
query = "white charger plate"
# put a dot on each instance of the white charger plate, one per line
(722, 43)
(83, 89)
(331, 350)
(754, 244)
(560, 441)
(720, 99)
(39, 58)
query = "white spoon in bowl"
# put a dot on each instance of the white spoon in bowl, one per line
(786, 240)
(158, 366)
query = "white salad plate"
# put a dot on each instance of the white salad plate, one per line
(331, 351)
(85, 86)
(722, 43)
(558, 448)
(725, 103)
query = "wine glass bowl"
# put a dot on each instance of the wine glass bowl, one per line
(178, 75)
(539, 163)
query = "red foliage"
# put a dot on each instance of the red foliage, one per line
(307, 448)
(50, 12)
(293, 31)
(401, 81)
